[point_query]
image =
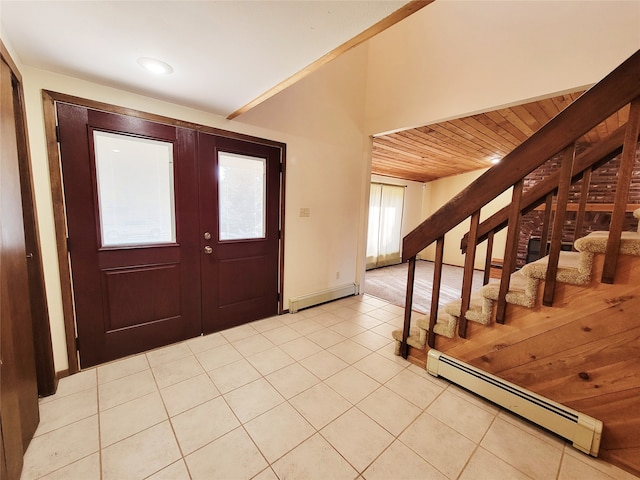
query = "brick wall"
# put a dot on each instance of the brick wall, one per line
(601, 190)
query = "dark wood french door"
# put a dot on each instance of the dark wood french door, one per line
(149, 263)
(239, 215)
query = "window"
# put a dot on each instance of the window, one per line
(135, 190)
(241, 201)
(385, 222)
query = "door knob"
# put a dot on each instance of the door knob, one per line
(208, 250)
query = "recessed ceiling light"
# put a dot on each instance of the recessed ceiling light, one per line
(155, 66)
(495, 160)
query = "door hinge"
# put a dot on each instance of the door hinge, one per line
(68, 245)
(58, 133)
(77, 344)
(278, 297)
(280, 167)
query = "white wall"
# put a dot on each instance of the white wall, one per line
(321, 121)
(458, 57)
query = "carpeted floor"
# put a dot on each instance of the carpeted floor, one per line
(390, 284)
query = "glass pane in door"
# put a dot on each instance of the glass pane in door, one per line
(135, 190)
(241, 197)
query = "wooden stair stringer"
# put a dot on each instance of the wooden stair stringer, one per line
(522, 322)
(570, 302)
(544, 348)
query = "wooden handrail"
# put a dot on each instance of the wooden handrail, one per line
(595, 105)
(598, 154)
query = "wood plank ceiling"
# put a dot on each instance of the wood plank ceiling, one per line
(457, 146)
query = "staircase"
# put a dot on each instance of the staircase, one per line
(566, 326)
(574, 268)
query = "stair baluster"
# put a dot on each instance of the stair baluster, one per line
(511, 249)
(487, 261)
(404, 347)
(467, 279)
(548, 212)
(622, 192)
(582, 205)
(566, 170)
(435, 294)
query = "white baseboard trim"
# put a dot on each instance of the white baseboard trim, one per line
(316, 298)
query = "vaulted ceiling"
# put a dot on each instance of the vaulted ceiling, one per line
(457, 146)
(227, 56)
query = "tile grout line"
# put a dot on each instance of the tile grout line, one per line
(321, 381)
(175, 437)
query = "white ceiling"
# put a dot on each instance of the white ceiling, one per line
(224, 53)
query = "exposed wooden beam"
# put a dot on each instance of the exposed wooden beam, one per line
(403, 12)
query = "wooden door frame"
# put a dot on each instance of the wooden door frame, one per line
(43, 347)
(49, 99)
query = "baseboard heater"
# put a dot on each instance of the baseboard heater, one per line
(313, 299)
(584, 431)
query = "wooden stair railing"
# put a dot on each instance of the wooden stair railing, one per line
(608, 96)
(584, 164)
(543, 190)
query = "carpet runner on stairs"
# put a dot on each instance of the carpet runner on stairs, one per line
(573, 268)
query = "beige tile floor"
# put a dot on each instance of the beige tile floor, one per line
(316, 394)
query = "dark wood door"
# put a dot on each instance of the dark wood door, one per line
(239, 212)
(19, 413)
(132, 213)
(167, 245)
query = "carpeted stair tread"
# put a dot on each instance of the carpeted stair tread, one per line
(445, 324)
(479, 308)
(573, 268)
(596, 242)
(416, 339)
(522, 290)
